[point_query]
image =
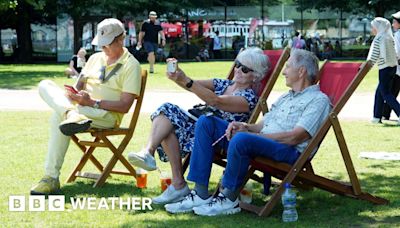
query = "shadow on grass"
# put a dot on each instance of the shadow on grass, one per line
(110, 189)
(311, 205)
(320, 203)
(392, 123)
(192, 220)
(25, 79)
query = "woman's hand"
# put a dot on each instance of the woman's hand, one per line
(179, 77)
(82, 97)
(235, 127)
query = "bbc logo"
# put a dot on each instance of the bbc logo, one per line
(36, 203)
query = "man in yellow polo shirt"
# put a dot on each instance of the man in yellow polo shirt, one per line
(106, 89)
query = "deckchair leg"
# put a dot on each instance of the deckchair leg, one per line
(110, 165)
(126, 164)
(300, 184)
(345, 154)
(81, 163)
(185, 163)
(266, 210)
(106, 173)
(83, 148)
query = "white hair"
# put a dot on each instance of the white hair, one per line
(306, 59)
(257, 60)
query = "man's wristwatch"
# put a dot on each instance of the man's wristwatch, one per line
(189, 84)
(97, 104)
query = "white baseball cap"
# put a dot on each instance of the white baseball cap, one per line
(396, 15)
(107, 30)
(152, 14)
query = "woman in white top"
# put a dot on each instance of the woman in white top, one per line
(382, 52)
(396, 80)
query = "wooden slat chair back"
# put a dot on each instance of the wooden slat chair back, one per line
(338, 81)
(101, 138)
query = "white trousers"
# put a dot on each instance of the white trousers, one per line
(55, 97)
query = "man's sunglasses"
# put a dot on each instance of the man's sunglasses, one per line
(244, 68)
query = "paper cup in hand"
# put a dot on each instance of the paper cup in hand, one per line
(172, 65)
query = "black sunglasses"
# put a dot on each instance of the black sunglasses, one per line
(244, 68)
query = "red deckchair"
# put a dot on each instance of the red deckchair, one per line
(338, 81)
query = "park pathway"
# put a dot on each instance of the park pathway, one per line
(359, 107)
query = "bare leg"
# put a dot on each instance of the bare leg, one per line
(152, 59)
(171, 147)
(160, 129)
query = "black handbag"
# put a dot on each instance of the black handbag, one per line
(203, 109)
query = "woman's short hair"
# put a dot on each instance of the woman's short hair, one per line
(259, 62)
(306, 59)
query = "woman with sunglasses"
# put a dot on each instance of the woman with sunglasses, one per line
(172, 132)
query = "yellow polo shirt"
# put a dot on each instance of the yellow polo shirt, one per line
(126, 80)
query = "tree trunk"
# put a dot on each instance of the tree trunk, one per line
(78, 32)
(379, 10)
(24, 49)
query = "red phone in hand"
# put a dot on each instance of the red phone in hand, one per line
(71, 89)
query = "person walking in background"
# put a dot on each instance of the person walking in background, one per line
(148, 35)
(76, 64)
(382, 52)
(298, 41)
(396, 80)
(217, 46)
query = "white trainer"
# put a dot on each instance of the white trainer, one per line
(219, 205)
(171, 195)
(376, 120)
(143, 159)
(186, 205)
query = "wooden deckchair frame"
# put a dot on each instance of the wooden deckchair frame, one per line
(101, 140)
(302, 173)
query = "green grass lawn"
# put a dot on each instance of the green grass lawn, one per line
(28, 76)
(24, 138)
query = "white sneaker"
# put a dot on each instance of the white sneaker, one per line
(143, 159)
(171, 195)
(218, 206)
(186, 205)
(376, 120)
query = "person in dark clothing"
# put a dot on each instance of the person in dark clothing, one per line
(76, 64)
(217, 46)
(395, 88)
(148, 35)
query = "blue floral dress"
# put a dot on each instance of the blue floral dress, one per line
(184, 125)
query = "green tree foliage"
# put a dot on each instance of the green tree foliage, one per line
(83, 11)
(19, 14)
(378, 7)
